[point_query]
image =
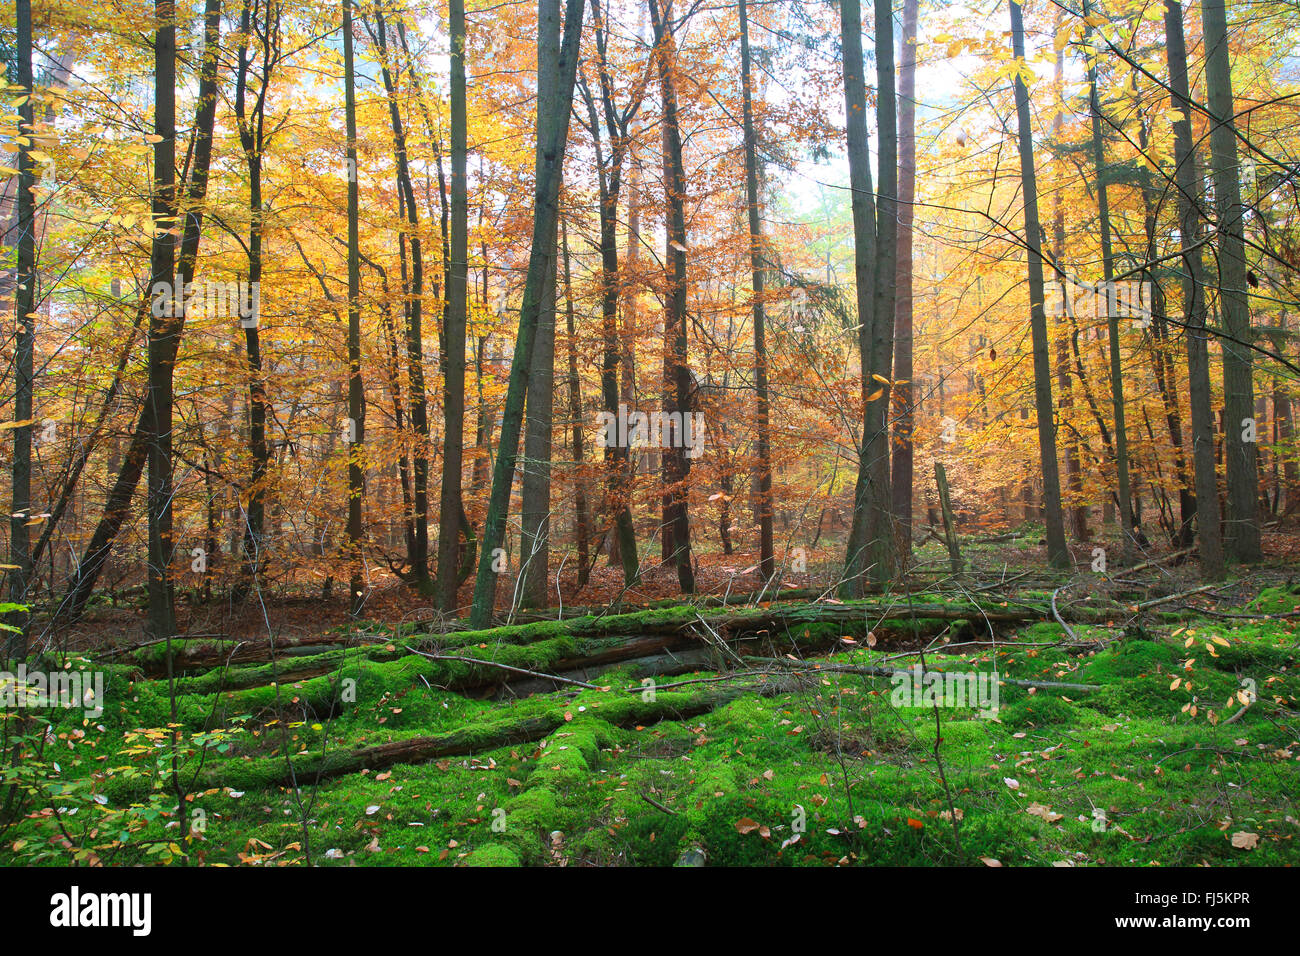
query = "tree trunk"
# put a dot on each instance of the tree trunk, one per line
(540, 403)
(881, 527)
(1057, 552)
(864, 256)
(1166, 372)
(677, 385)
(1285, 448)
(1194, 307)
(617, 456)
(450, 506)
(168, 302)
(1243, 543)
(582, 519)
(356, 430)
(551, 143)
(1112, 319)
(767, 560)
(901, 475)
(118, 505)
(413, 309)
(252, 141)
(20, 557)
(1078, 511)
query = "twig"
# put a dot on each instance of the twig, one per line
(1057, 614)
(507, 667)
(1174, 597)
(657, 805)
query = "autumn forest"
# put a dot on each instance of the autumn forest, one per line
(441, 420)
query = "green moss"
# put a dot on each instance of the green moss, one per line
(1036, 711)
(627, 778)
(1277, 600)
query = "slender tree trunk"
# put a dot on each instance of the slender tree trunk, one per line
(618, 485)
(767, 560)
(551, 143)
(356, 393)
(677, 397)
(616, 354)
(582, 519)
(252, 141)
(535, 486)
(1112, 319)
(483, 428)
(118, 505)
(881, 528)
(414, 312)
(864, 260)
(1078, 511)
(901, 475)
(1209, 533)
(168, 301)
(450, 505)
(1284, 414)
(1057, 552)
(20, 556)
(1165, 369)
(1243, 543)
(627, 350)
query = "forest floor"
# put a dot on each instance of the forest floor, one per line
(1145, 726)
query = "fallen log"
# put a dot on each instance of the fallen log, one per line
(1156, 562)
(488, 663)
(460, 743)
(619, 711)
(659, 628)
(189, 654)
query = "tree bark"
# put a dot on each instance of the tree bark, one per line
(450, 504)
(901, 476)
(864, 257)
(163, 326)
(1187, 177)
(118, 505)
(766, 560)
(356, 431)
(535, 486)
(582, 518)
(677, 384)
(551, 144)
(1112, 319)
(251, 138)
(1242, 539)
(1078, 511)
(1058, 554)
(20, 555)
(618, 466)
(413, 310)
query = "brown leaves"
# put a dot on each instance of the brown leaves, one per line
(746, 826)
(1046, 813)
(1243, 840)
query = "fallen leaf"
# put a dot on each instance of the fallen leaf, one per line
(1245, 841)
(1047, 813)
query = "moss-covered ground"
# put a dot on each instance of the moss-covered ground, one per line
(1156, 765)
